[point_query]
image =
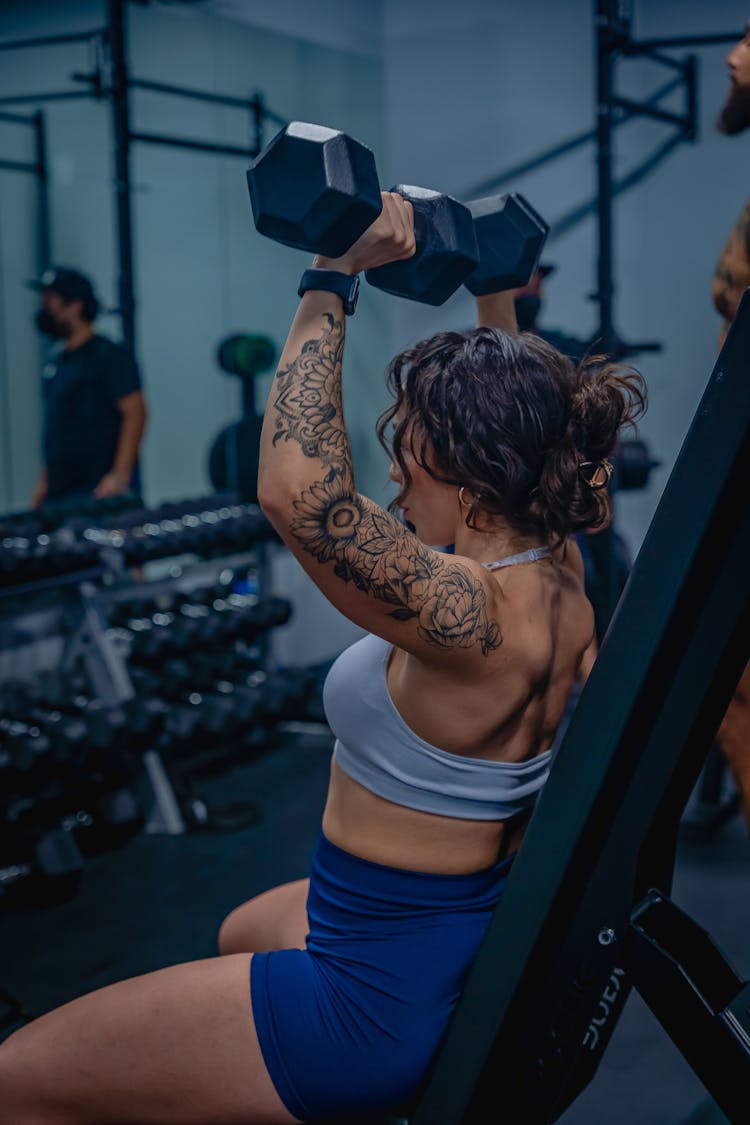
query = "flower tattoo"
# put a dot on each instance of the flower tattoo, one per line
(455, 613)
(329, 515)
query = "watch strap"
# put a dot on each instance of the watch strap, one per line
(331, 281)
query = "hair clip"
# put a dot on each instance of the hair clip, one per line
(596, 474)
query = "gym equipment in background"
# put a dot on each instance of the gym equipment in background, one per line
(233, 456)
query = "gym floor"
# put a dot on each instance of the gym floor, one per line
(160, 900)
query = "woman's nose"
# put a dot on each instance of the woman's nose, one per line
(394, 473)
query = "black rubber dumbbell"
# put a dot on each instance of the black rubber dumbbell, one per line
(39, 865)
(105, 820)
(105, 725)
(68, 734)
(510, 236)
(314, 188)
(25, 751)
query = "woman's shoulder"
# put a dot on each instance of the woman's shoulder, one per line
(542, 608)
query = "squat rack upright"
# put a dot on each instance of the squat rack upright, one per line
(38, 168)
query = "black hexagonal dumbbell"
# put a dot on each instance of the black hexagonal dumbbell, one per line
(314, 188)
(38, 865)
(510, 236)
(317, 189)
(446, 252)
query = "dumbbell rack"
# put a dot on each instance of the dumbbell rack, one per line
(56, 630)
(106, 661)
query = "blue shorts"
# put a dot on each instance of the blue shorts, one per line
(351, 1023)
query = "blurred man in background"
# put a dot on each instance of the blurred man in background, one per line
(94, 410)
(731, 278)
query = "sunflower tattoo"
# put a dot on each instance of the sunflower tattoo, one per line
(366, 545)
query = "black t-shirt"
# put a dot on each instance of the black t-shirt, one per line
(81, 419)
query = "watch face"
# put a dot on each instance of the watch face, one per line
(350, 302)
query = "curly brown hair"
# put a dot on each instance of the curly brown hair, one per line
(513, 420)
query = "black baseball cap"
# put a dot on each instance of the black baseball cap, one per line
(70, 284)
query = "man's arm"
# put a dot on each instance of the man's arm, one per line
(732, 274)
(497, 310)
(118, 480)
(41, 490)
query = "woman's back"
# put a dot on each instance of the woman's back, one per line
(501, 707)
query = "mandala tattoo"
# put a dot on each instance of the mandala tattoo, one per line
(309, 403)
(366, 545)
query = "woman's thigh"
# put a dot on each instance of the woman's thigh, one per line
(177, 1046)
(277, 919)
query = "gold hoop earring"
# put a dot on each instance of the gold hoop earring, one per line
(464, 503)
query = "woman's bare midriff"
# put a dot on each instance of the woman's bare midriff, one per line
(366, 825)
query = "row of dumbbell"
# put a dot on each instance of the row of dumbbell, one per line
(26, 558)
(66, 791)
(56, 514)
(193, 625)
(56, 808)
(50, 743)
(52, 815)
(204, 530)
(168, 510)
(207, 532)
(204, 701)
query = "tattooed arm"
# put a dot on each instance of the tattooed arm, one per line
(732, 274)
(361, 557)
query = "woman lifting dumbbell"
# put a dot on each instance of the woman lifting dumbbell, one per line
(333, 993)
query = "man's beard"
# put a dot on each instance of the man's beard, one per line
(47, 323)
(734, 115)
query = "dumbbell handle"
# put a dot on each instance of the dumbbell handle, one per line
(446, 249)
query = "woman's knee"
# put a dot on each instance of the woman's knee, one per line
(229, 934)
(276, 919)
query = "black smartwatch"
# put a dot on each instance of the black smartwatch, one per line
(346, 285)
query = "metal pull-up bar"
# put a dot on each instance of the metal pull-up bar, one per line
(52, 40)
